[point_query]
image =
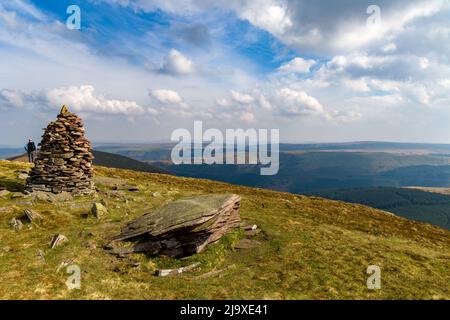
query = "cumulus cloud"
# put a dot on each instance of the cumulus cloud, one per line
(165, 96)
(170, 102)
(295, 102)
(177, 64)
(84, 98)
(297, 65)
(241, 97)
(11, 98)
(79, 98)
(247, 116)
(268, 15)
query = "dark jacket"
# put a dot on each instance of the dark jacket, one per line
(31, 147)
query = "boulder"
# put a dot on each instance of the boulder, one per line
(99, 210)
(32, 215)
(16, 224)
(58, 240)
(247, 244)
(4, 193)
(183, 227)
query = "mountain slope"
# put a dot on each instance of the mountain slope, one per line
(311, 248)
(111, 160)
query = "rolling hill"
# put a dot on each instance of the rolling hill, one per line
(310, 247)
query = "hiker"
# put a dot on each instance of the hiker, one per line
(31, 150)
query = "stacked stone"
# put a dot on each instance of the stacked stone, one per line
(64, 162)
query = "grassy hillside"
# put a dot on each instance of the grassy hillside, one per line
(406, 202)
(311, 248)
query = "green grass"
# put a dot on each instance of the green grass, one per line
(311, 248)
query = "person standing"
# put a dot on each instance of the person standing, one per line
(31, 150)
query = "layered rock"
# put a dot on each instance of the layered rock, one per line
(182, 227)
(64, 162)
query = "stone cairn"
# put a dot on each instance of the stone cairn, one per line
(64, 162)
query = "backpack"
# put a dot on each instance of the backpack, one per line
(31, 147)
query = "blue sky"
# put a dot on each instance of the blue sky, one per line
(138, 69)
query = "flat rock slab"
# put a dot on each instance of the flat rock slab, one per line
(247, 244)
(185, 226)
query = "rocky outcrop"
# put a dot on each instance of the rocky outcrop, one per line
(64, 162)
(182, 227)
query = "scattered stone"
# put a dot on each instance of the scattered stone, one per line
(41, 255)
(32, 215)
(251, 230)
(252, 233)
(38, 196)
(16, 224)
(99, 210)
(214, 272)
(50, 197)
(17, 195)
(22, 176)
(4, 193)
(7, 209)
(125, 187)
(156, 194)
(64, 162)
(61, 197)
(183, 227)
(65, 263)
(247, 244)
(58, 240)
(250, 227)
(173, 272)
(90, 245)
(5, 249)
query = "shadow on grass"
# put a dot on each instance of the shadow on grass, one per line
(12, 185)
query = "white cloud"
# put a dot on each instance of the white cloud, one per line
(356, 84)
(167, 96)
(424, 63)
(265, 103)
(267, 15)
(445, 83)
(242, 98)
(78, 98)
(177, 64)
(390, 47)
(11, 98)
(247, 116)
(293, 102)
(84, 98)
(297, 65)
(223, 102)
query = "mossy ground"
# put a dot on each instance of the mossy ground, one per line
(311, 248)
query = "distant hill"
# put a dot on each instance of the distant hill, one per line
(315, 171)
(111, 160)
(410, 203)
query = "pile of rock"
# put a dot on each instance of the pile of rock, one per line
(182, 227)
(64, 162)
